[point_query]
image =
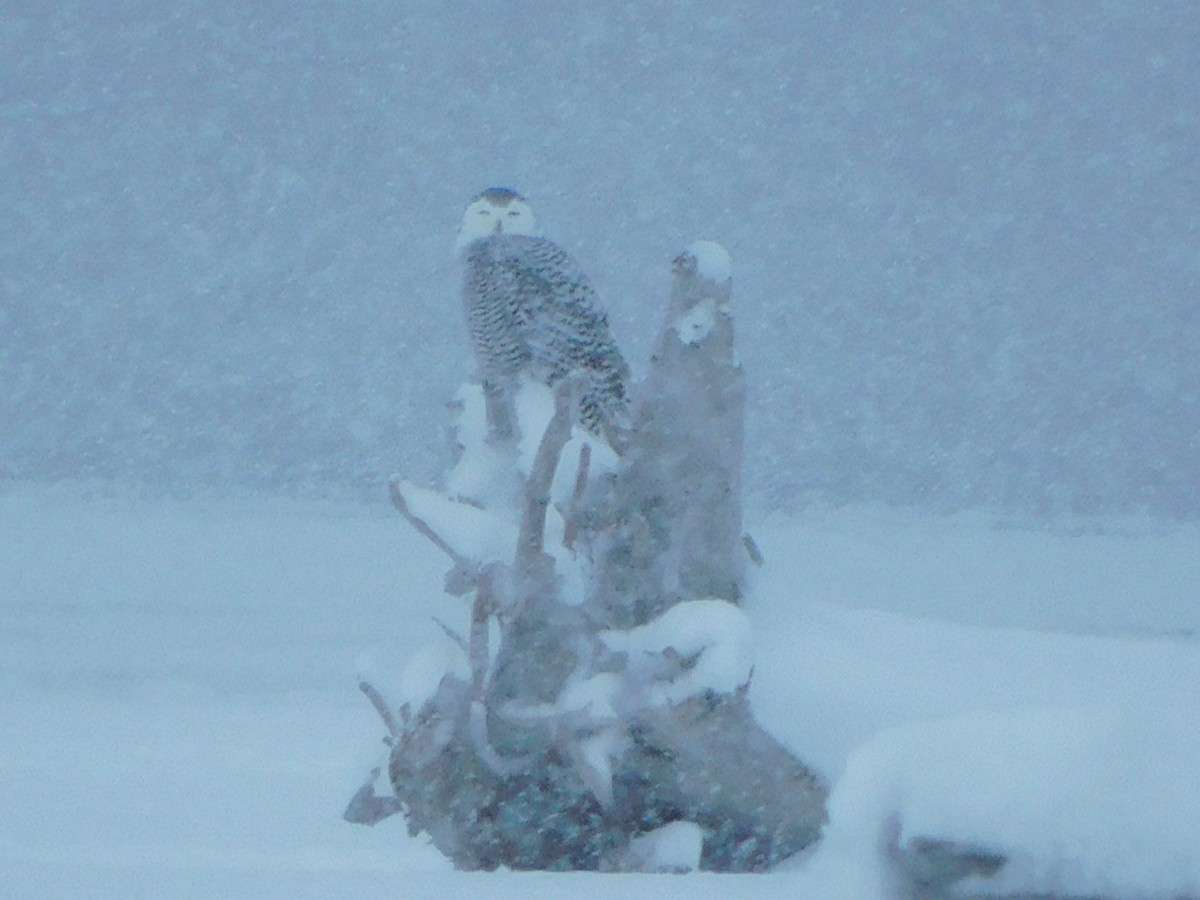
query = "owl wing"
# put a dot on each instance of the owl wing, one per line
(565, 329)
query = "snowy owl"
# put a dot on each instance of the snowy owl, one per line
(532, 312)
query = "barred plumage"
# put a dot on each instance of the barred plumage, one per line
(531, 311)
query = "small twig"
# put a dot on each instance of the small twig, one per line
(368, 808)
(462, 578)
(401, 504)
(453, 635)
(571, 530)
(381, 707)
(752, 550)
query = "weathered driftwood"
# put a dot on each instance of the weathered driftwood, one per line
(506, 769)
(669, 527)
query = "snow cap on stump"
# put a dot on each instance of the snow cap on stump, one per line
(707, 260)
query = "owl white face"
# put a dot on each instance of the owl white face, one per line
(485, 217)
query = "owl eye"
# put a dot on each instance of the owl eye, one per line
(513, 213)
(484, 212)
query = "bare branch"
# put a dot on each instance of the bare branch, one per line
(531, 539)
(381, 707)
(571, 530)
(485, 604)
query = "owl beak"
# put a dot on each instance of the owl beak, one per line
(499, 226)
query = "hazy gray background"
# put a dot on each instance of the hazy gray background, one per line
(966, 236)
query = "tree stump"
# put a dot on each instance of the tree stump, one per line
(601, 732)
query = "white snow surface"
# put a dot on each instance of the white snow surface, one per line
(179, 714)
(1095, 800)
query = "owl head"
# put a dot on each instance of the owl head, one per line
(497, 210)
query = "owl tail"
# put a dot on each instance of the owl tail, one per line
(603, 412)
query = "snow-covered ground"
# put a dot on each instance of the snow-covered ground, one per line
(179, 716)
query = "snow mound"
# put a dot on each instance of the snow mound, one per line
(425, 671)
(697, 323)
(1080, 801)
(672, 848)
(710, 640)
(712, 261)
